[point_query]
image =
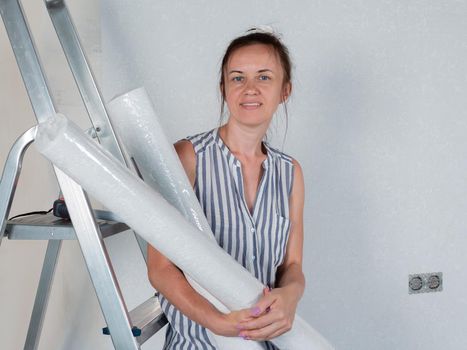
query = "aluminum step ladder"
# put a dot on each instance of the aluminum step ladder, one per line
(128, 330)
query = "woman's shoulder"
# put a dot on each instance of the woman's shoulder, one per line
(201, 140)
(281, 156)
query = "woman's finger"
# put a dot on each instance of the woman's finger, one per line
(263, 304)
(261, 334)
(260, 322)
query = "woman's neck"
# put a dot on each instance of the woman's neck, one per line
(243, 141)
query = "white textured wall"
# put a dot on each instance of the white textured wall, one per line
(378, 122)
(73, 320)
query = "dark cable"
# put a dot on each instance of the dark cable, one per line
(31, 213)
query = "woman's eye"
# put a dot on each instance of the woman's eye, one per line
(237, 79)
(264, 77)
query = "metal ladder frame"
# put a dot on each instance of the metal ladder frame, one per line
(86, 228)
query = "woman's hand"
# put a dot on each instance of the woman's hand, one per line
(227, 325)
(273, 315)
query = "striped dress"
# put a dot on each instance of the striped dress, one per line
(256, 240)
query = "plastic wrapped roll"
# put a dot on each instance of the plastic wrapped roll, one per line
(160, 224)
(137, 126)
(144, 141)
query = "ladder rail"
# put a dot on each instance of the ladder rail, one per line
(10, 175)
(87, 231)
(84, 77)
(87, 86)
(97, 260)
(42, 295)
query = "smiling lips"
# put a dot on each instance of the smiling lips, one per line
(251, 105)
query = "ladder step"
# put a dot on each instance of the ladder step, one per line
(147, 319)
(135, 330)
(49, 227)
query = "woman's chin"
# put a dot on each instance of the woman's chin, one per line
(252, 120)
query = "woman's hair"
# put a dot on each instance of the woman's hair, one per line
(251, 37)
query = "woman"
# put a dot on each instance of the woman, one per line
(253, 198)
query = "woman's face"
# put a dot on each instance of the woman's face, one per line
(254, 85)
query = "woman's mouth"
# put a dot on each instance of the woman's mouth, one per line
(250, 105)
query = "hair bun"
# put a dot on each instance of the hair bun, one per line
(263, 28)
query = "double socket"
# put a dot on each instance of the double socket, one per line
(425, 282)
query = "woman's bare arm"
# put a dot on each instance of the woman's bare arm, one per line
(169, 280)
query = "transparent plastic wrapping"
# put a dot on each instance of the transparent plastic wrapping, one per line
(138, 128)
(147, 147)
(149, 214)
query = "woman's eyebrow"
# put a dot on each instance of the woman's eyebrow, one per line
(259, 71)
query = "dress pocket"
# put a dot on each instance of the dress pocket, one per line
(281, 236)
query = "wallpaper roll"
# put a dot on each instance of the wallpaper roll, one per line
(138, 128)
(160, 224)
(145, 143)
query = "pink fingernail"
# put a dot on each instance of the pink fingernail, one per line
(255, 311)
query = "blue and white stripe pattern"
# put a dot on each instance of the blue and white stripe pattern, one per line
(256, 239)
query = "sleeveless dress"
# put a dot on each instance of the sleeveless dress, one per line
(256, 240)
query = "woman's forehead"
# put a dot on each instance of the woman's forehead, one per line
(254, 57)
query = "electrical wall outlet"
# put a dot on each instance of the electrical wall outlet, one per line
(425, 282)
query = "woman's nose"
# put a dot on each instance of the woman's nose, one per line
(251, 88)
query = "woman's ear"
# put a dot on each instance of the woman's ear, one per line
(287, 90)
(221, 87)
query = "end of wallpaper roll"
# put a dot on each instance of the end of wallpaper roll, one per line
(120, 96)
(131, 99)
(48, 130)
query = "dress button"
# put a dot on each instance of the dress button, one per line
(254, 257)
(252, 229)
